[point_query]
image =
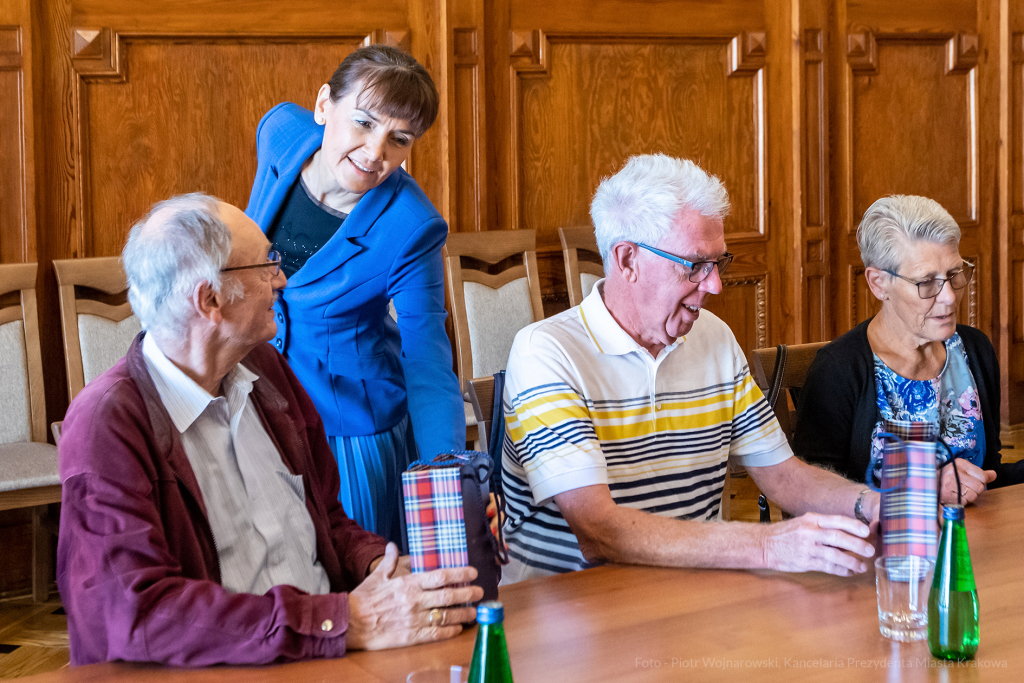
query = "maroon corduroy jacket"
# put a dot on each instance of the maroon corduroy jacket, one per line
(137, 567)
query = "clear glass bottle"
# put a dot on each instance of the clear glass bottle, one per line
(490, 654)
(953, 629)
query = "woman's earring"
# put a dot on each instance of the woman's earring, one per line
(319, 120)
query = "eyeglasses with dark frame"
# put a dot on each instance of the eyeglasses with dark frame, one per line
(929, 289)
(273, 260)
(699, 270)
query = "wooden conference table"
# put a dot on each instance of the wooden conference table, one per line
(623, 623)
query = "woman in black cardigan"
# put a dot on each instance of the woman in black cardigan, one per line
(911, 361)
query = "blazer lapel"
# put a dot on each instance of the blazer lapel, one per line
(344, 244)
(287, 172)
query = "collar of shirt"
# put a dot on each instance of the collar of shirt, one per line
(607, 335)
(184, 399)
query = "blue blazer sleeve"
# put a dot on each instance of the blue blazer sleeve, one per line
(416, 285)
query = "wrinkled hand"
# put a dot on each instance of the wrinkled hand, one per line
(495, 515)
(404, 566)
(813, 542)
(391, 609)
(973, 481)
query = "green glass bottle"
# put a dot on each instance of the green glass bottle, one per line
(490, 654)
(953, 602)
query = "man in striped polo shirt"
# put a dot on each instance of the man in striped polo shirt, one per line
(623, 412)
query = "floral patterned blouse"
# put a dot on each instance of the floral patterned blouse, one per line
(951, 400)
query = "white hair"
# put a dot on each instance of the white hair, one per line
(892, 224)
(181, 243)
(641, 202)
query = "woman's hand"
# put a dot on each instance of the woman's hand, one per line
(973, 481)
(392, 609)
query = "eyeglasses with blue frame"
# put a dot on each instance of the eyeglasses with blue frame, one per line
(699, 270)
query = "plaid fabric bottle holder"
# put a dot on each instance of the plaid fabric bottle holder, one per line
(446, 517)
(907, 487)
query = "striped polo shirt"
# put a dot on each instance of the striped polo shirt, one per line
(585, 404)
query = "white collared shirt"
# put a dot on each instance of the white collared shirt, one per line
(585, 405)
(255, 506)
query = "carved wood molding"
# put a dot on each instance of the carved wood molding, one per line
(529, 53)
(961, 50)
(972, 293)
(961, 53)
(465, 46)
(746, 53)
(862, 53)
(760, 303)
(96, 54)
(1017, 48)
(398, 38)
(814, 45)
(10, 48)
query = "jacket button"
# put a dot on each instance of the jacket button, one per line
(280, 344)
(280, 318)
(327, 625)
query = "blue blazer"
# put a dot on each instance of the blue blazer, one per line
(363, 371)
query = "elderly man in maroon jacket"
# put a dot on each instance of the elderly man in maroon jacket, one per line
(200, 521)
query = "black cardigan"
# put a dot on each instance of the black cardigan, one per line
(838, 409)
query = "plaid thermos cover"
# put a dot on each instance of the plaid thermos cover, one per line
(908, 488)
(434, 518)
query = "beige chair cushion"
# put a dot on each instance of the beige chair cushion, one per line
(14, 397)
(495, 315)
(27, 465)
(104, 342)
(587, 282)
(470, 413)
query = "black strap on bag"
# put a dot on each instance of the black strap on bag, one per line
(775, 385)
(496, 439)
(774, 390)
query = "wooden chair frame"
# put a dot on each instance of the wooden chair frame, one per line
(490, 247)
(104, 274)
(574, 239)
(21, 278)
(481, 395)
(798, 361)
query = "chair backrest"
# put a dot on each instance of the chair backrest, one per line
(22, 400)
(798, 360)
(495, 292)
(580, 275)
(95, 317)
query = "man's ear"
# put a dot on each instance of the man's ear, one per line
(624, 258)
(207, 303)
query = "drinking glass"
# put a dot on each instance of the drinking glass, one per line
(903, 584)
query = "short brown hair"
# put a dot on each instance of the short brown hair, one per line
(393, 83)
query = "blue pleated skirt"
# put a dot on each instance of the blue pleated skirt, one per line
(371, 478)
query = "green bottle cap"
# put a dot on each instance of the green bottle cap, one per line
(953, 512)
(491, 612)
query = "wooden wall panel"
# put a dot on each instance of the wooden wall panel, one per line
(605, 101)
(816, 316)
(17, 175)
(913, 129)
(743, 303)
(210, 92)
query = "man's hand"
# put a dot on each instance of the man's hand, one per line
(391, 609)
(404, 566)
(813, 542)
(973, 481)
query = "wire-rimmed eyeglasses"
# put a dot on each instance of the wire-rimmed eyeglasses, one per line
(273, 261)
(699, 270)
(929, 289)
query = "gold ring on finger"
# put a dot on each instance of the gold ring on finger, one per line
(436, 617)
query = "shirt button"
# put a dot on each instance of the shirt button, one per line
(279, 344)
(280, 318)
(327, 625)
(658, 406)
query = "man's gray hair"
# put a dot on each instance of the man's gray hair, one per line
(893, 224)
(181, 243)
(640, 202)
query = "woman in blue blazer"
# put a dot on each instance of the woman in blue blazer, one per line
(356, 232)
